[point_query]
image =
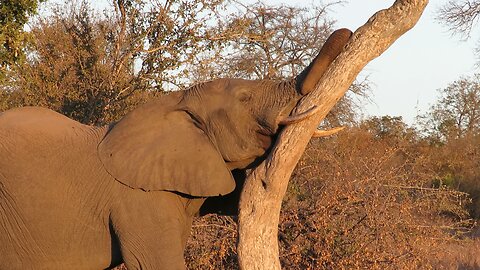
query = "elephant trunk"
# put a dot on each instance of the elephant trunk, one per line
(334, 45)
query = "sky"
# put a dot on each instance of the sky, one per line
(406, 78)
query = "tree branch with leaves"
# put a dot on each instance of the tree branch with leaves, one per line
(14, 14)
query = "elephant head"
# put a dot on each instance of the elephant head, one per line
(189, 141)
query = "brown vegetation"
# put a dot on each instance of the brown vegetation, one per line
(361, 200)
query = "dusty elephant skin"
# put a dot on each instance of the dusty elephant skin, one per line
(75, 196)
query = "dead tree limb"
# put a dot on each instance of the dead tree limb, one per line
(265, 187)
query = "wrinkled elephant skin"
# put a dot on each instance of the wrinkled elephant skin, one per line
(80, 197)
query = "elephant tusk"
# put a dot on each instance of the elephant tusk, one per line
(323, 133)
(299, 117)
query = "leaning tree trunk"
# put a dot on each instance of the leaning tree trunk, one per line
(265, 187)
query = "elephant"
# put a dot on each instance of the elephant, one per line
(92, 197)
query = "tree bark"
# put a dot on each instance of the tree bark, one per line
(265, 187)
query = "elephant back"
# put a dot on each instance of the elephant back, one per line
(28, 127)
(33, 139)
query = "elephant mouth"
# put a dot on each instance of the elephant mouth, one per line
(264, 137)
(264, 133)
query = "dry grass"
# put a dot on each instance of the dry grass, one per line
(459, 254)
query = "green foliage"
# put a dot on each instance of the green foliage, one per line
(388, 127)
(456, 114)
(94, 68)
(375, 196)
(446, 181)
(75, 69)
(14, 14)
(457, 164)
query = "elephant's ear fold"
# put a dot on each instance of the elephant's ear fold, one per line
(158, 148)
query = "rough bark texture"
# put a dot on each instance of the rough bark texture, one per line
(264, 189)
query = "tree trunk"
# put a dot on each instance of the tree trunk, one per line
(265, 187)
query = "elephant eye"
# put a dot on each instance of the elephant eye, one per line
(245, 97)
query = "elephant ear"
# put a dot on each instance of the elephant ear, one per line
(157, 147)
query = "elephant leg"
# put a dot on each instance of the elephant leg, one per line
(192, 207)
(151, 228)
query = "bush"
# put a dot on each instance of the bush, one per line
(356, 201)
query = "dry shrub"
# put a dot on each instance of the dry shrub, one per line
(457, 163)
(212, 243)
(355, 202)
(359, 201)
(458, 254)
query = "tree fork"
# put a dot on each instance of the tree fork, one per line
(265, 187)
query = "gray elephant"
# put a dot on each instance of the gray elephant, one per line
(75, 196)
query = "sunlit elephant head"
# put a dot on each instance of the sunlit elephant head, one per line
(207, 130)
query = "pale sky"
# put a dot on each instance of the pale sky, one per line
(406, 77)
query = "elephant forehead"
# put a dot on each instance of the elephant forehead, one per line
(221, 86)
(240, 84)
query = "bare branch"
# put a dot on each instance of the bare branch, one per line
(460, 16)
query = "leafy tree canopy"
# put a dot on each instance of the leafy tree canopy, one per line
(456, 114)
(14, 15)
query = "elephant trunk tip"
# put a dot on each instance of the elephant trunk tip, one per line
(334, 45)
